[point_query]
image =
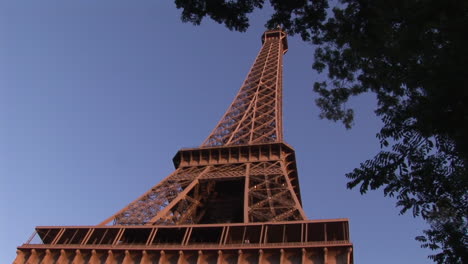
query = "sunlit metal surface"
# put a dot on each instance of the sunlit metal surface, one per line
(235, 199)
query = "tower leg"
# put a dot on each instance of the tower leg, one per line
(49, 257)
(34, 258)
(128, 258)
(78, 259)
(348, 261)
(260, 256)
(240, 257)
(63, 259)
(304, 256)
(20, 257)
(94, 259)
(220, 257)
(145, 258)
(282, 256)
(110, 258)
(325, 255)
(200, 257)
(162, 258)
(181, 259)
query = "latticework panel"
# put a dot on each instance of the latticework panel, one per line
(271, 196)
(255, 114)
(236, 192)
(142, 210)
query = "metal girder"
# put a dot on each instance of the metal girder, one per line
(270, 195)
(144, 208)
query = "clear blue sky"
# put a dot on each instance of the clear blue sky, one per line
(97, 96)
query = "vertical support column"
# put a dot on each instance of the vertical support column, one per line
(270, 201)
(78, 259)
(282, 256)
(128, 258)
(260, 256)
(325, 231)
(220, 257)
(95, 258)
(181, 257)
(49, 257)
(348, 257)
(110, 258)
(145, 258)
(306, 234)
(162, 257)
(343, 227)
(297, 204)
(63, 259)
(348, 236)
(20, 257)
(240, 257)
(246, 192)
(325, 255)
(265, 236)
(200, 257)
(279, 93)
(304, 256)
(284, 234)
(33, 258)
(302, 233)
(262, 230)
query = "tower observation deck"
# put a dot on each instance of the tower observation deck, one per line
(234, 199)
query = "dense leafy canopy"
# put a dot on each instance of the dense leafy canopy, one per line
(412, 54)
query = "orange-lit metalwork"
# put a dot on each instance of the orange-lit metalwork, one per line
(255, 115)
(235, 199)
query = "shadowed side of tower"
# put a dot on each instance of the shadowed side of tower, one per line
(235, 199)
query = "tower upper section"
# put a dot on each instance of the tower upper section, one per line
(255, 115)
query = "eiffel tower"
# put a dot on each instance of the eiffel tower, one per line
(233, 200)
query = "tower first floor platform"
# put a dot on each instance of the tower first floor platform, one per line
(312, 241)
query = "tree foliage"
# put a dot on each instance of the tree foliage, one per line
(412, 55)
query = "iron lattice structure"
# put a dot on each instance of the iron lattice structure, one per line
(255, 115)
(219, 183)
(235, 199)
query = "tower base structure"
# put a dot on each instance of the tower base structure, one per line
(290, 242)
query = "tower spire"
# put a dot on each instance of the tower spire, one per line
(255, 115)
